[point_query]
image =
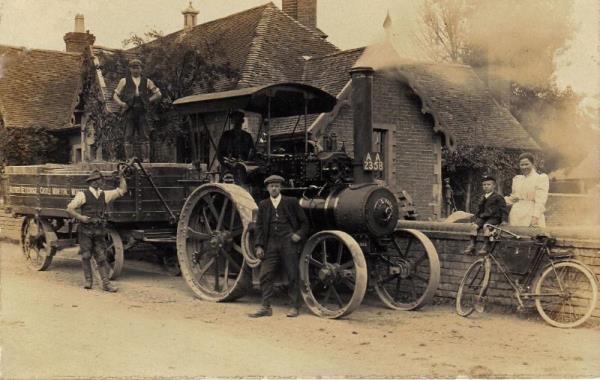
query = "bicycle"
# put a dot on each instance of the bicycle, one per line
(564, 290)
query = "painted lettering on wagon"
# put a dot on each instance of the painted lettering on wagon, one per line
(23, 189)
(43, 190)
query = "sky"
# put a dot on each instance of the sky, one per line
(42, 24)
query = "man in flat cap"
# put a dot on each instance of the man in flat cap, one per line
(235, 143)
(281, 225)
(91, 204)
(491, 210)
(135, 94)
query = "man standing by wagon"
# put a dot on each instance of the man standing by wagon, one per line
(281, 225)
(92, 204)
(135, 94)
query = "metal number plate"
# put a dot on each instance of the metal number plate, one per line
(373, 162)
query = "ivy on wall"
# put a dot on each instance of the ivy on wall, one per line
(467, 164)
(177, 66)
(30, 146)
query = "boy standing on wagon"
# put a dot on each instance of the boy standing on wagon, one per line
(491, 210)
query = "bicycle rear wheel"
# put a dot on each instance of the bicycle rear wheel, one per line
(472, 287)
(566, 294)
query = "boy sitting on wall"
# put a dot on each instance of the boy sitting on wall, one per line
(491, 210)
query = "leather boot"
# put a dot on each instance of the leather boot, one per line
(128, 151)
(145, 152)
(264, 311)
(486, 248)
(106, 285)
(87, 274)
(470, 249)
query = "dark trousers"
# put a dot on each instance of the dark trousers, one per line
(136, 126)
(280, 250)
(92, 241)
(479, 223)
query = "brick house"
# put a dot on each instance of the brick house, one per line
(418, 108)
(40, 88)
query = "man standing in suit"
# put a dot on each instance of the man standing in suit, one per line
(281, 225)
(491, 210)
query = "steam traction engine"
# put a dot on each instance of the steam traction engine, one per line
(353, 241)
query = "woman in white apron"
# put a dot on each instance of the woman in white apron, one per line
(529, 195)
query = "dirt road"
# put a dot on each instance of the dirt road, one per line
(52, 328)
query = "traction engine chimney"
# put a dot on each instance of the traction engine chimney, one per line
(362, 104)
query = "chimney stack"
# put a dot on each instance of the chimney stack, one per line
(362, 106)
(78, 40)
(304, 11)
(189, 17)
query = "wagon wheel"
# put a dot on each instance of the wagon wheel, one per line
(407, 275)
(333, 274)
(115, 254)
(209, 241)
(37, 237)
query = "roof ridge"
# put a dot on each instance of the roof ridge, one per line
(347, 51)
(256, 46)
(191, 30)
(312, 31)
(24, 48)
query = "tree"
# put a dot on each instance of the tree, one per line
(512, 45)
(178, 65)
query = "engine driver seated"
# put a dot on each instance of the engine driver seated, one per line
(235, 144)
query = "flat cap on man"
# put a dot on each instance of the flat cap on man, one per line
(94, 176)
(488, 178)
(135, 62)
(274, 179)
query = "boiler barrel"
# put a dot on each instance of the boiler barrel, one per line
(366, 208)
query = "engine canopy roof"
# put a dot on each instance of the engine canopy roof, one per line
(275, 100)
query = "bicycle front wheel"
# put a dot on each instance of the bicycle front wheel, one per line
(566, 294)
(472, 288)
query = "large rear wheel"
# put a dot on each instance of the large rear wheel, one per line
(566, 294)
(333, 274)
(209, 241)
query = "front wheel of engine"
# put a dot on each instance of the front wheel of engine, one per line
(333, 274)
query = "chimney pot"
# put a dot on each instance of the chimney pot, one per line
(79, 23)
(78, 40)
(189, 17)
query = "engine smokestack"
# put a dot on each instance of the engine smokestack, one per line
(362, 104)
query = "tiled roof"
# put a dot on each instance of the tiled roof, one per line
(329, 73)
(463, 105)
(262, 45)
(39, 87)
(279, 49)
(458, 100)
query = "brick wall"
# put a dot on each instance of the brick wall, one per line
(451, 238)
(415, 160)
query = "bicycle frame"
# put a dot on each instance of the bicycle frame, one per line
(533, 269)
